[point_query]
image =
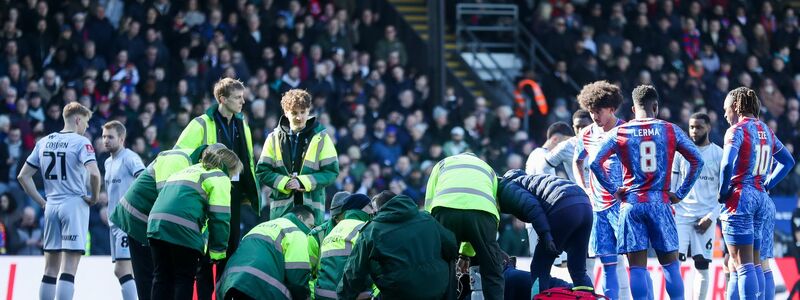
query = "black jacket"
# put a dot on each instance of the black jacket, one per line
(406, 252)
(530, 198)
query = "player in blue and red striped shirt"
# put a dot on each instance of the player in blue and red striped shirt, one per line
(601, 99)
(646, 147)
(747, 174)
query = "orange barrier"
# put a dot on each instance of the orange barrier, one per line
(538, 97)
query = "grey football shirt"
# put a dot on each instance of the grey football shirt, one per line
(121, 171)
(61, 158)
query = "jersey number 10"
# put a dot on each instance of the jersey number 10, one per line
(763, 159)
(61, 156)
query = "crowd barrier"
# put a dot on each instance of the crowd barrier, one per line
(20, 277)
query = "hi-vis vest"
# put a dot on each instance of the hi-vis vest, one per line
(336, 248)
(463, 181)
(191, 199)
(312, 160)
(134, 208)
(287, 239)
(167, 163)
(319, 168)
(203, 131)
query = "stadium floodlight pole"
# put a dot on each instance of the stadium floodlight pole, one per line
(436, 25)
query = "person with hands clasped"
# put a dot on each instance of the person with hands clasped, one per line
(299, 159)
(194, 198)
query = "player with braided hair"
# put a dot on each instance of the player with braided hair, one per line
(747, 175)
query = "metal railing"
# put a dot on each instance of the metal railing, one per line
(495, 20)
(493, 68)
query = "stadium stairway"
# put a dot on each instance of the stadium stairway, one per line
(414, 12)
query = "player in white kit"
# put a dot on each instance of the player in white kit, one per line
(63, 158)
(557, 134)
(563, 153)
(121, 170)
(696, 216)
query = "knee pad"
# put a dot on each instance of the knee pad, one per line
(700, 262)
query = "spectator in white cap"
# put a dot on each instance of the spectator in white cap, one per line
(456, 144)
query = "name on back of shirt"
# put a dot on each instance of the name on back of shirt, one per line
(762, 135)
(646, 132)
(56, 145)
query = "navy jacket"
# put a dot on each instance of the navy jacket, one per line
(531, 198)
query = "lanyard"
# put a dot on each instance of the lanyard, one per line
(294, 138)
(228, 136)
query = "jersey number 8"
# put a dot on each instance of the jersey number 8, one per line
(763, 159)
(647, 156)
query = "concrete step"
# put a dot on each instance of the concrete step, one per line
(407, 2)
(411, 9)
(417, 18)
(420, 27)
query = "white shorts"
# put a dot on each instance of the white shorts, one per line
(120, 249)
(689, 240)
(66, 225)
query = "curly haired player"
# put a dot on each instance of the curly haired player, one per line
(601, 99)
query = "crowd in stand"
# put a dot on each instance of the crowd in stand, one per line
(693, 52)
(151, 64)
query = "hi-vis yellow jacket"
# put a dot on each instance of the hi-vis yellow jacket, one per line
(191, 199)
(318, 168)
(203, 131)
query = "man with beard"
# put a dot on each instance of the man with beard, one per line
(696, 215)
(122, 168)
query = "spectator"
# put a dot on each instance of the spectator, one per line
(559, 41)
(333, 39)
(456, 144)
(192, 14)
(252, 40)
(389, 44)
(130, 40)
(28, 235)
(100, 30)
(368, 31)
(691, 39)
(12, 153)
(8, 209)
(124, 71)
(386, 151)
(772, 98)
